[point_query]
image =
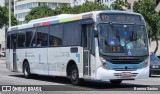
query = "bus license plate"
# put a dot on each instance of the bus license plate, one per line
(126, 74)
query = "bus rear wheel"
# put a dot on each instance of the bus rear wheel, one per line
(116, 82)
(26, 70)
(75, 80)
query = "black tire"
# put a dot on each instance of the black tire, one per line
(26, 70)
(75, 80)
(116, 82)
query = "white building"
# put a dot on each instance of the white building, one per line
(23, 7)
(2, 2)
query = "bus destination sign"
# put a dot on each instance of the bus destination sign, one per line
(124, 18)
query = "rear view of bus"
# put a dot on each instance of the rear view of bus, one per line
(123, 46)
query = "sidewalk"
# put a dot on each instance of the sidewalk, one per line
(2, 60)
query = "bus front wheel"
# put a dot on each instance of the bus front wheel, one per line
(75, 80)
(116, 82)
(26, 70)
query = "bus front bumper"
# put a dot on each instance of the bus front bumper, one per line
(106, 75)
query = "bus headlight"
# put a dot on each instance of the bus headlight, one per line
(145, 63)
(104, 63)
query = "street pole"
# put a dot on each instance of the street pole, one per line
(9, 1)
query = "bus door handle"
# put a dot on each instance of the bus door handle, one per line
(74, 50)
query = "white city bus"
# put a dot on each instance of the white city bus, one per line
(100, 45)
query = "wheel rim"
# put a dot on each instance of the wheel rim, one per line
(74, 74)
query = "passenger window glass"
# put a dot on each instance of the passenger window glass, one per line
(29, 34)
(42, 36)
(31, 37)
(55, 35)
(21, 38)
(71, 34)
(8, 41)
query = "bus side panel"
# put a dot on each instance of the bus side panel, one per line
(31, 57)
(41, 59)
(93, 67)
(37, 59)
(58, 58)
(20, 56)
(9, 59)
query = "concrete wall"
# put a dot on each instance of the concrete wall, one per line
(2, 37)
(2, 31)
(152, 47)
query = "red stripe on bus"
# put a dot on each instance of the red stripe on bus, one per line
(46, 23)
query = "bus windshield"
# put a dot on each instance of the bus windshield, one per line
(117, 39)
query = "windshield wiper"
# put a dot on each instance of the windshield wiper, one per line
(134, 32)
(113, 29)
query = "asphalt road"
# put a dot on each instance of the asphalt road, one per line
(62, 85)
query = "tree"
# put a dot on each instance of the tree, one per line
(91, 6)
(39, 12)
(147, 9)
(4, 17)
(119, 5)
(86, 7)
(44, 11)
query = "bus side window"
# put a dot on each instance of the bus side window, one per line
(71, 34)
(31, 37)
(13, 41)
(21, 39)
(8, 41)
(55, 35)
(84, 36)
(42, 36)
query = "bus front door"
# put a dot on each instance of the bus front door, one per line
(14, 41)
(86, 43)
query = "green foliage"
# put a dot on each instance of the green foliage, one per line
(147, 9)
(4, 17)
(39, 12)
(44, 11)
(91, 6)
(119, 5)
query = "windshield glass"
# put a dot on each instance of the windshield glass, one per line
(122, 39)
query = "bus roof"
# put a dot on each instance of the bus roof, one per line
(63, 18)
